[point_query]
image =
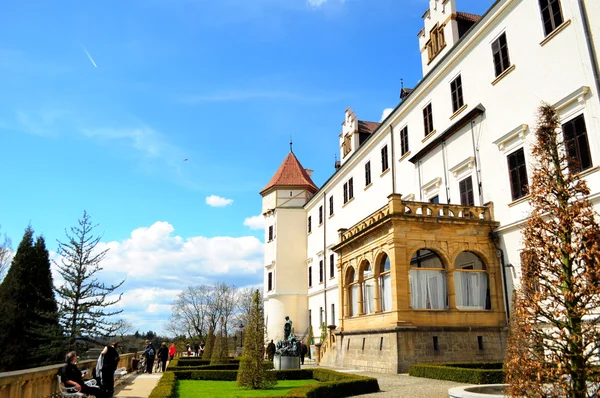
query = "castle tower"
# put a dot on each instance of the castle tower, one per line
(285, 283)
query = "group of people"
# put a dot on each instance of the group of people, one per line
(198, 349)
(270, 351)
(163, 353)
(104, 373)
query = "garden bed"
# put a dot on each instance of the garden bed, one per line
(464, 372)
(212, 388)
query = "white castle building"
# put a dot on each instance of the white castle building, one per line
(411, 249)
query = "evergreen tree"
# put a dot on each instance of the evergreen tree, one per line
(30, 333)
(555, 327)
(219, 352)
(251, 373)
(83, 299)
(210, 342)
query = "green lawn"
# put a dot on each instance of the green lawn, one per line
(212, 388)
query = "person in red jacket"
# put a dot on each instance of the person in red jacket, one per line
(172, 351)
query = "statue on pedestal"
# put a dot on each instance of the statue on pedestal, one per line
(289, 346)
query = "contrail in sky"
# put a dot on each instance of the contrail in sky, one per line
(89, 57)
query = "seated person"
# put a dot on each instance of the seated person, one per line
(70, 376)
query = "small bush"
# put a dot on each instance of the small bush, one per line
(459, 374)
(165, 387)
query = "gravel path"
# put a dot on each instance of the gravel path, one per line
(405, 386)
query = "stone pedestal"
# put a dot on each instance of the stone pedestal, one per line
(283, 363)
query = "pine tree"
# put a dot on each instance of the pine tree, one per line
(555, 326)
(219, 352)
(210, 342)
(30, 334)
(251, 373)
(83, 299)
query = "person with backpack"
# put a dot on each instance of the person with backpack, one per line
(110, 362)
(149, 353)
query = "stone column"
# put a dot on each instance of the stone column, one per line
(361, 310)
(377, 294)
(450, 288)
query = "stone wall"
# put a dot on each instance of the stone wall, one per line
(393, 351)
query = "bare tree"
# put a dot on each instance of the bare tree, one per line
(5, 254)
(555, 330)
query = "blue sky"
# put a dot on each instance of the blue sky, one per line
(221, 83)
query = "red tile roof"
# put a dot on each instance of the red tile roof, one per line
(291, 174)
(367, 127)
(465, 16)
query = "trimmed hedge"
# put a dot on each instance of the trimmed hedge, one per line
(166, 387)
(231, 366)
(475, 365)
(195, 361)
(332, 384)
(459, 372)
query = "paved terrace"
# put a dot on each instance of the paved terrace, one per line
(137, 385)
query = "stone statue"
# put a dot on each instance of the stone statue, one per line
(289, 346)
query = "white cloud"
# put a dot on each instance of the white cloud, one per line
(255, 222)
(158, 264)
(386, 113)
(217, 201)
(316, 3)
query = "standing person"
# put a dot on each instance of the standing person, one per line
(196, 349)
(150, 353)
(303, 352)
(202, 348)
(189, 350)
(110, 361)
(172, 351)
(163, 354)
(70, 376)
(271, 350)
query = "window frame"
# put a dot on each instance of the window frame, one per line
(465, 187)
(309, 224)
(404, 148)
(321, 215)
(552, 21)
(500, 54)
(321, 271)
(350, 188)
(368, 173)
(271, 233)
(385, 164)
(331, 205)
(520, 170)
(428, 119)
(580, 142)
(331, 266)
(310, 276)
(456, 93)
(270, 281)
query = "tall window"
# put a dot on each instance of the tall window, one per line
(404, 140)
(331, 266)
(428, 119)
(270, 233)
(518, 174)
(368, 173)
(352, 292)
(270, 281)
(385, 283)
(348, 190)
(309, 276)
(309, 224)
(576, 143)
(457, 93)
(321, 271)
(466, 192)
(471, 283)
(320, 215)
(436, 41)
(384, 159)
(321, 316)
(332, 314)
(500, 52)
(331, 205)
(427, 278)
(551, 15)
(368, 289)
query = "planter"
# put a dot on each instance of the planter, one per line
(480, 391)
(283, 363)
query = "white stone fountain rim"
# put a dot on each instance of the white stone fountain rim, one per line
(461, 392)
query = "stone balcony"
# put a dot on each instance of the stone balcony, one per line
(420, 211)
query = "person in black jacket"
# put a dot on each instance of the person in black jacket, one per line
(303, 352)
(150, 353)
(70, 376)
(110, 362)
(163, 355)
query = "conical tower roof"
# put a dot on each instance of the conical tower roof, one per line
(291, 174)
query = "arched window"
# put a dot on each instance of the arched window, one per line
(352, 291)
(427, 281)
(368, 289)
(471, 283)
(385, 283)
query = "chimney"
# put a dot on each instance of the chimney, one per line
(309, 172)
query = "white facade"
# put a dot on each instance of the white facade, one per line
(496, 119)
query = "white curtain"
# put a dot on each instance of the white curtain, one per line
(385, 282)
(427, 289)
(369, 296)
(471, 289)
(354, 299)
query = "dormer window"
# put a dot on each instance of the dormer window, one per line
(436, 42)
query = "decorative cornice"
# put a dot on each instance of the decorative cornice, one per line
(433, 184)
(577, 95)
(468, 163)
(520, 132)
